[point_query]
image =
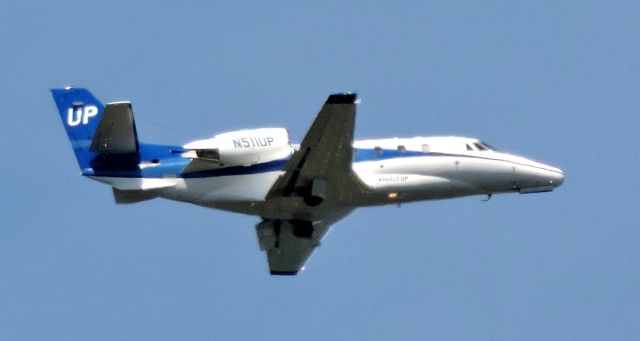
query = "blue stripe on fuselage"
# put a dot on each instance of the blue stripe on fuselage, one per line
(276, 165)
(163, 161)
(361, 155)
(170, 162)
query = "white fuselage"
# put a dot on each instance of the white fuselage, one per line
(393, 170)
(450, 167)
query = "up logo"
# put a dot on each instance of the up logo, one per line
(81, 115)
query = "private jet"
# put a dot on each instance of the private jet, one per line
(297, 190)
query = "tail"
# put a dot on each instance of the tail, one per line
(81, 113)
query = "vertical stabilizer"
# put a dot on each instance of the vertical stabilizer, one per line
(81, 113)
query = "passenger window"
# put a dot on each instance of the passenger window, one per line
(425, 148)
(402, 149)
(378, 151)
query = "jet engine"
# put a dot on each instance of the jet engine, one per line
(242, 147)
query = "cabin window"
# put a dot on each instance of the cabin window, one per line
(425, 148)
(402, 149)
(378, 151)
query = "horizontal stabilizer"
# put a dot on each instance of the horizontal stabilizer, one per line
(131, 197)
(116, 133)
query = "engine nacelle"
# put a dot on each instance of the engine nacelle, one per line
(242, 147)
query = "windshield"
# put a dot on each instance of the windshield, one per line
(483, 146)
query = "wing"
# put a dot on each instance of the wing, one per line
(321, 169)
(289, 243)
(320, 173)
(116, 133)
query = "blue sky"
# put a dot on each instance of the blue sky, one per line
(556, 81)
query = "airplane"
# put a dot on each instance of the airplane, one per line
(298, 190)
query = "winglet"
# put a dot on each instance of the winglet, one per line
(346, 98)
(284, 273)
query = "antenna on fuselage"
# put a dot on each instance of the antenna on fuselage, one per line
(489, 195)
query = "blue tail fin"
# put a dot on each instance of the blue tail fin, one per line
(81, 113)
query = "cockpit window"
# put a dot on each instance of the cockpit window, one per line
(480, 146)
(488, 146)
(469, 148)
(483, 146)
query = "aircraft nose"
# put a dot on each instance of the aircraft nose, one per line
(537, 177)
(552, 175)
(556, 177)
